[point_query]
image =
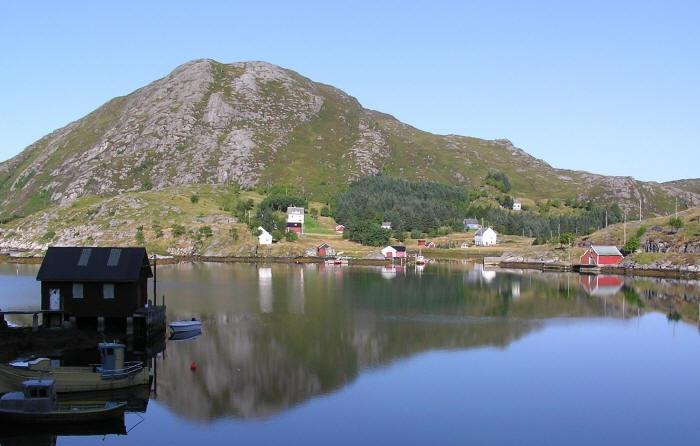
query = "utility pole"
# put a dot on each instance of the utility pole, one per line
(624, 230)
(606, 219)
(676, 207)
(640, 209)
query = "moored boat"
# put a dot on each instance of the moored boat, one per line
(37, 404)
(184, 326)
(112, 373)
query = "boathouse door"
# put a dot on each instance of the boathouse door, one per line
(55, 299)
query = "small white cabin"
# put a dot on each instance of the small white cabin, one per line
(265, 238)
(485, 237)
(517, 205)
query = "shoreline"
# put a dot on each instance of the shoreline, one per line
(676, 273)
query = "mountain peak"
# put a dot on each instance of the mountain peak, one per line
(257, 124)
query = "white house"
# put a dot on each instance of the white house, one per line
(386, 225)
(265, 238)
(295, 220)
(485, 237)
(392, 252)
(517, 205)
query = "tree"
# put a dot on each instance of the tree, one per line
(325, 211)
(291, 236)
(277, 235)
(631, 246)
(567, 238)
(314, 213)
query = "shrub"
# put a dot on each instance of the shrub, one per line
(313, 212)
(48, 236)
(416, 234)
(400, 236)
(291, 236)
(325, 211)
(194, 198)
(179, 230)
(641, 231)
(205, 231)
(140, 238)
(675, 222)
(277, 235)
(233, 233)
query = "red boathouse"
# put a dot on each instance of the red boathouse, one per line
(602, 255)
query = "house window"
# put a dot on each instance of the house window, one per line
(108, 291)
(77, 291)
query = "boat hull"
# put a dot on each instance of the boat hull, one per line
(73, 413)
(184, 327)
(72, 379)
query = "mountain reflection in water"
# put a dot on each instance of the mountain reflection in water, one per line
(513, 345)
(275, 336)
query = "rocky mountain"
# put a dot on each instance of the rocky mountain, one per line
(257, 124)
(690, 185)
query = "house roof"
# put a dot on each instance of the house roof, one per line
(324, 245)
(482, 231)
(399, 248)
(606, 250)
(291, 210)
(92, 264)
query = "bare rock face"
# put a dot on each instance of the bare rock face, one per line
(253, 122)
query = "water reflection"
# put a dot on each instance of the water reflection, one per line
(276, 336)
(314, 329)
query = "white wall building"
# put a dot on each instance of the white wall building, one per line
(517, 205)
(485, 237)
(265, 238)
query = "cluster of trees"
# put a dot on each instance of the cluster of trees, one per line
(409, 206)
(547, 227)
(499, 180)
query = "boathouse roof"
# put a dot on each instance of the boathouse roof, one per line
(92, 264)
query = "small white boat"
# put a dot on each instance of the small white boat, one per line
(183, 326)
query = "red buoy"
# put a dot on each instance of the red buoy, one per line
(193, 366)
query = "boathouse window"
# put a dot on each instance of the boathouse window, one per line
(77, 291)
(108, 291)
(84, 257)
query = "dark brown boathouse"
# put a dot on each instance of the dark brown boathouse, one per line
(93, 283)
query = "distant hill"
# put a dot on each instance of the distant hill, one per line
(258, 124)
(690, 185)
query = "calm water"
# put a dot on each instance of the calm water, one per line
(450, 355)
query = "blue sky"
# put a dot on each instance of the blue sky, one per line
(609, 87)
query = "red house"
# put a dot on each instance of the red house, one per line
(339, 229)
(325, 250)
(602, 255)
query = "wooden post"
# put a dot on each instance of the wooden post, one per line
(100, 324)
(35, 322)
(155, 280)
(130, 325)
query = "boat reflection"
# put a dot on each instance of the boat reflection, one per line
(12, 435)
